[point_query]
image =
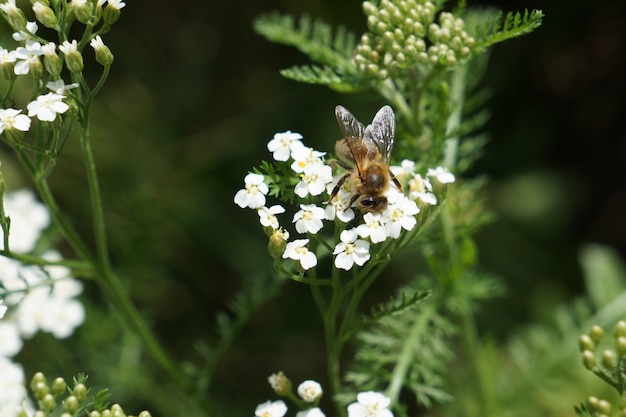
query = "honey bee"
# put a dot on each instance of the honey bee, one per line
(364, 152)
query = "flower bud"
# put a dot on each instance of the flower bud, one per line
(144, 413)
(80, 391)
(620, 346)
(48, 403)
(112, 11)
(106, 413)
(35, 71)
(38, 378)
(280, 384)
(40, 390)
(82, 10)
(592, 402)
(15, 16)
(103, 53)
(58, 386)
(608, 359)
(45, 15)
(51, 60)
(73, 58)
(604, 407)
(620, 329)
(589, 359)
(277, 243)
(586, 343)
(95, 413)
(71, 404)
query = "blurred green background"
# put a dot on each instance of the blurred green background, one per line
(193, 97)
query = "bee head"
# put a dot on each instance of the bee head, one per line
(374, 204)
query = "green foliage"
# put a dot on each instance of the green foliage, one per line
(504, 27)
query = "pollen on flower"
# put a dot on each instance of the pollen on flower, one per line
(253, 195)
(271, 409)
(298, 251)
(267, 216)
(309, 218)
(400, 215)
(351, 250)
(373, 228)
(283, 144)
(314, 180)
(304, 156)
(310, 391)
(47, 106)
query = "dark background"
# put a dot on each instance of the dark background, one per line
(194, 95)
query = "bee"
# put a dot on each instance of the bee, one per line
(364, 153)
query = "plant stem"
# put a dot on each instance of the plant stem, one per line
(408, 353)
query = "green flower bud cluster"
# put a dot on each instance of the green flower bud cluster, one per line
(58, 399)
(599, 407)
(404, 33)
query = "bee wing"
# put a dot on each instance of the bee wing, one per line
(350, 149)
(381, 133)
(348, 124)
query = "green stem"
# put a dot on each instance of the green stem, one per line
(457, 97)
(407, 354)
(473, 356)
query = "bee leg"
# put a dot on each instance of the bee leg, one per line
(338, 187)
(395, 181)
(336, 162)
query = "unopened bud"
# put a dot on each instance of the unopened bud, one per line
(589, 359)
(277, 243)
(144, 413)
(80, 391)
(620, 329)
(604, 407)
(608, 359)
(15, 16)
(58, 386)
(585, 343)
(596, 333)
(280, 384)
(73, 58)
(45, 15)
(112, 11)
(71, 404)
(51, 60)
(103, 53)
(620, 346)
(48, 403)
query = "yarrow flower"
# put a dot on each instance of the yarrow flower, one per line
(298, 251)
(441, 174)
(370, 404)
(283, 144)
(59, 86)
(47, 106)
(253, 195)
(309, 218)
(310, 391)
(314, 180)
(304, 156)
(11, 119)
(311, 412)
(373, 228)
(267, 216)
(400, 215)
(28, 57)
(421, 188)
(351, 250)
(271, 409)
(3, 308)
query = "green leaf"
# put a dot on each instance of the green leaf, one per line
(605, 274)
(505, 27)
(325, 75)
(312, 37)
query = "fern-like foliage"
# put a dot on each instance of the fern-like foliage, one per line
(505, 27)
(332, 50)
(384, 342)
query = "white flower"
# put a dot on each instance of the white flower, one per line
(12, 119)
(421, 188)
(400, 214)
(370, 404)
(97, 43)
(31, 29)
(59, 86)
(10, 340)
(303, 157)
(9, 7)
(351, 250)
(339, 206)
(116, 4)
(3, 308)
(27, 56)
(68, 47)
(28, 219)
(442, 174)
(47, 106)
(283, 144)
(373, 228)
(267, 216)
(310, 391)
(253, 195)
(311, 412)
(7, 56)
(405, 170)
(12, 389)
(271, 409)
(298, 251)
(309, 218)
(314, 180)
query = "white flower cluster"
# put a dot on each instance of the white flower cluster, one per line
(315, 178)
(368, 404)
(34, 298)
